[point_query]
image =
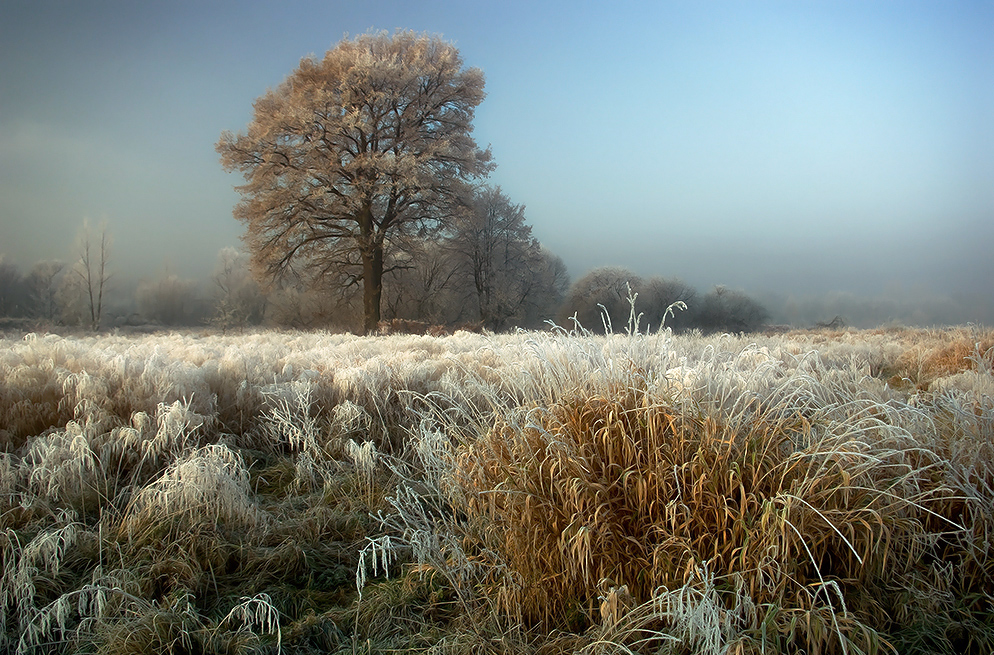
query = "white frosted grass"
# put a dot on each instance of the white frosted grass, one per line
(207, 487)
(61, 465)
(24, 564)
(178, 429)
(350, 420)
(290, 419)
(161, 397)
(700, 617)
(364, 457)
(10, 481)
(855, 421)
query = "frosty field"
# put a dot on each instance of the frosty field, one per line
(541, 492)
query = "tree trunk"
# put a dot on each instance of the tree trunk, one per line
(372, 287)
(371, 252)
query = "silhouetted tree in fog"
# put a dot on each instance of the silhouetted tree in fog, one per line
(91, 269)
(497, 253)
(657, 300)
(723, 310)
(603, 289)
(169, 300)
(551, 280)
(13, 294)
(43, 289)
(371, 143)
(238, 299)
(306, 305)
(602, 297)
(425, 284)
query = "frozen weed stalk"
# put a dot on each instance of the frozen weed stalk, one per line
(364, 459)
(290, 419)
(253, 613)
(375, 557)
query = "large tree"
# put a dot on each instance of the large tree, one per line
(370, 146)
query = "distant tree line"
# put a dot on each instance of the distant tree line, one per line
(484, 270)
(615, 299)
(488, 273)
(54, 292)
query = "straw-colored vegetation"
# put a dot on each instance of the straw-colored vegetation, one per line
(556, 492)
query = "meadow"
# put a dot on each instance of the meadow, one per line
(539, 492)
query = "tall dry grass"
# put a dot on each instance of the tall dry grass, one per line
(809, 501)
(537, 492)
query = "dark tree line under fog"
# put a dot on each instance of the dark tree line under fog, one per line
(485, 270)
(615, 299)
(498, 278)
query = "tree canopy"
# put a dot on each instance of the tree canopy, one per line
(355, 154)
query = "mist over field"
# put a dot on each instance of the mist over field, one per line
(824, 160)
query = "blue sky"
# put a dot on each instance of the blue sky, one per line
(798, 147)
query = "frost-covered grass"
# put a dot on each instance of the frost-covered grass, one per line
(544, 492)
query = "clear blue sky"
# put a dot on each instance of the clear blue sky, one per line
(787, 146)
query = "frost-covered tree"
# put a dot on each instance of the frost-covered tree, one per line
(366, 147)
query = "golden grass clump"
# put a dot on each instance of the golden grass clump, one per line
(939, 354)
(627, 491)
(30, 402)
(798, 502)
